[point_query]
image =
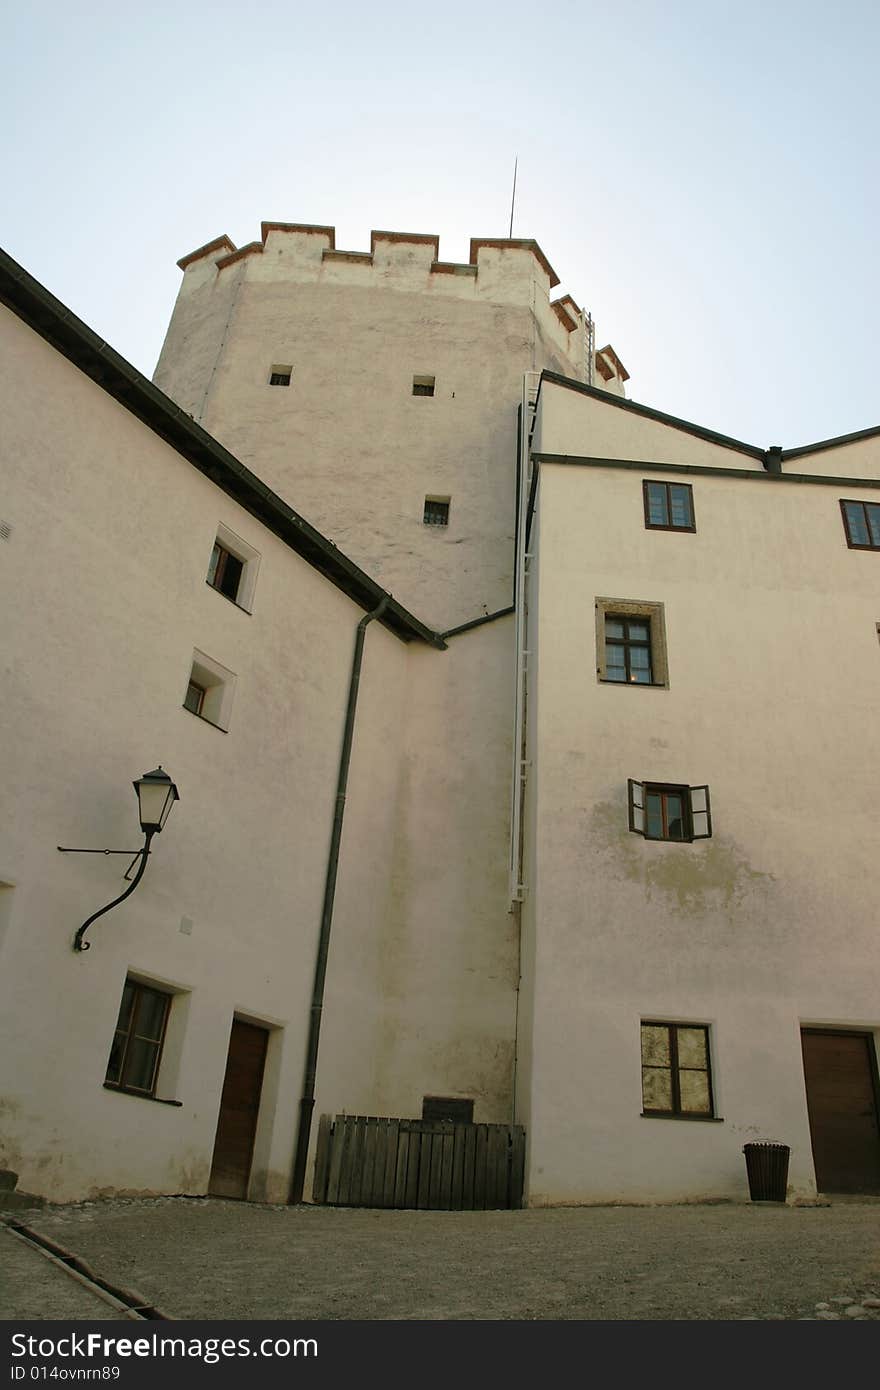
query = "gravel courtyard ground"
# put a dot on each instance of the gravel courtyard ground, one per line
(201, 1258)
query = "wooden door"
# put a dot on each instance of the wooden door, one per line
(239, 1108)
(840, 1071)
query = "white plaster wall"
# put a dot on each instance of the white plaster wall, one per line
(105, 569)
(774, 671)
(426, 1002)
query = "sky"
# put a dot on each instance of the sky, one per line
(702, 175)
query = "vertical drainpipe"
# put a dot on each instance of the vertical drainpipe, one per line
(307, 1101)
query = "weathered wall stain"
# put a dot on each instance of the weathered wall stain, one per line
(697, 878)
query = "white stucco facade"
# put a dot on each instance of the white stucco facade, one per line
(764, 626)
(765, 928)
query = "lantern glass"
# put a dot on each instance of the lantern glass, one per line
(156, 795)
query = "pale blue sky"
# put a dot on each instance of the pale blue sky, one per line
(702, 175)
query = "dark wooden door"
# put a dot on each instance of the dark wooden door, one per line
(840, 1072)
(239, 1107)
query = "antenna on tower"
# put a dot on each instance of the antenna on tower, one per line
(513, 196)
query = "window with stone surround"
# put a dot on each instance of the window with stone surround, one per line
(631, 643)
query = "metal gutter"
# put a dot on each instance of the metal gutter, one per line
(307, 1100)
(478, 622)
(60, 327)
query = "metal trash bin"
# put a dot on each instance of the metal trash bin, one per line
(767, 1167)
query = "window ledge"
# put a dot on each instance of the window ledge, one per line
(634, 685)
(678, 530)
(140, 1095)
(240, 606)
(663, 1115)
(204, 720)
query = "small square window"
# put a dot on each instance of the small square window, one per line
(280, 375)
(436, 511)
(669, 506)
(676, 1070)
(209, 691)
(861, 522)
(225, 571)
(667, 811)
(137, 1041)
(232, 568)
(423, 386)
(631, 643)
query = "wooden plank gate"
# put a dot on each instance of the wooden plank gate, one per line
(438, 1165)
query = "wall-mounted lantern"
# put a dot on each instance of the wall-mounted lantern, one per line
(156, 794)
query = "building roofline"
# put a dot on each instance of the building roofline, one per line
(712, 436)
(648, 412)
(56, 324)
(704, 470)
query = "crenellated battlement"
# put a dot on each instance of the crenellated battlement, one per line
(503, 271)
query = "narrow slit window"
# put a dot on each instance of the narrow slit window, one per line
(423, 386)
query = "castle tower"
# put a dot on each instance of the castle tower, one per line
(377, 393)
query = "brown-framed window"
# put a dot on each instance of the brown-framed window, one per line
(436, 511)
(628, 649)
(861, 522)
(669, 811)
(423, 386)
(669, 506)
(676, 1071)
(225, 571)
(194, 700)
(137, 1041)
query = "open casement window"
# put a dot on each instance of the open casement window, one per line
(667, 811)
(676, 1072)
(861, 521)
